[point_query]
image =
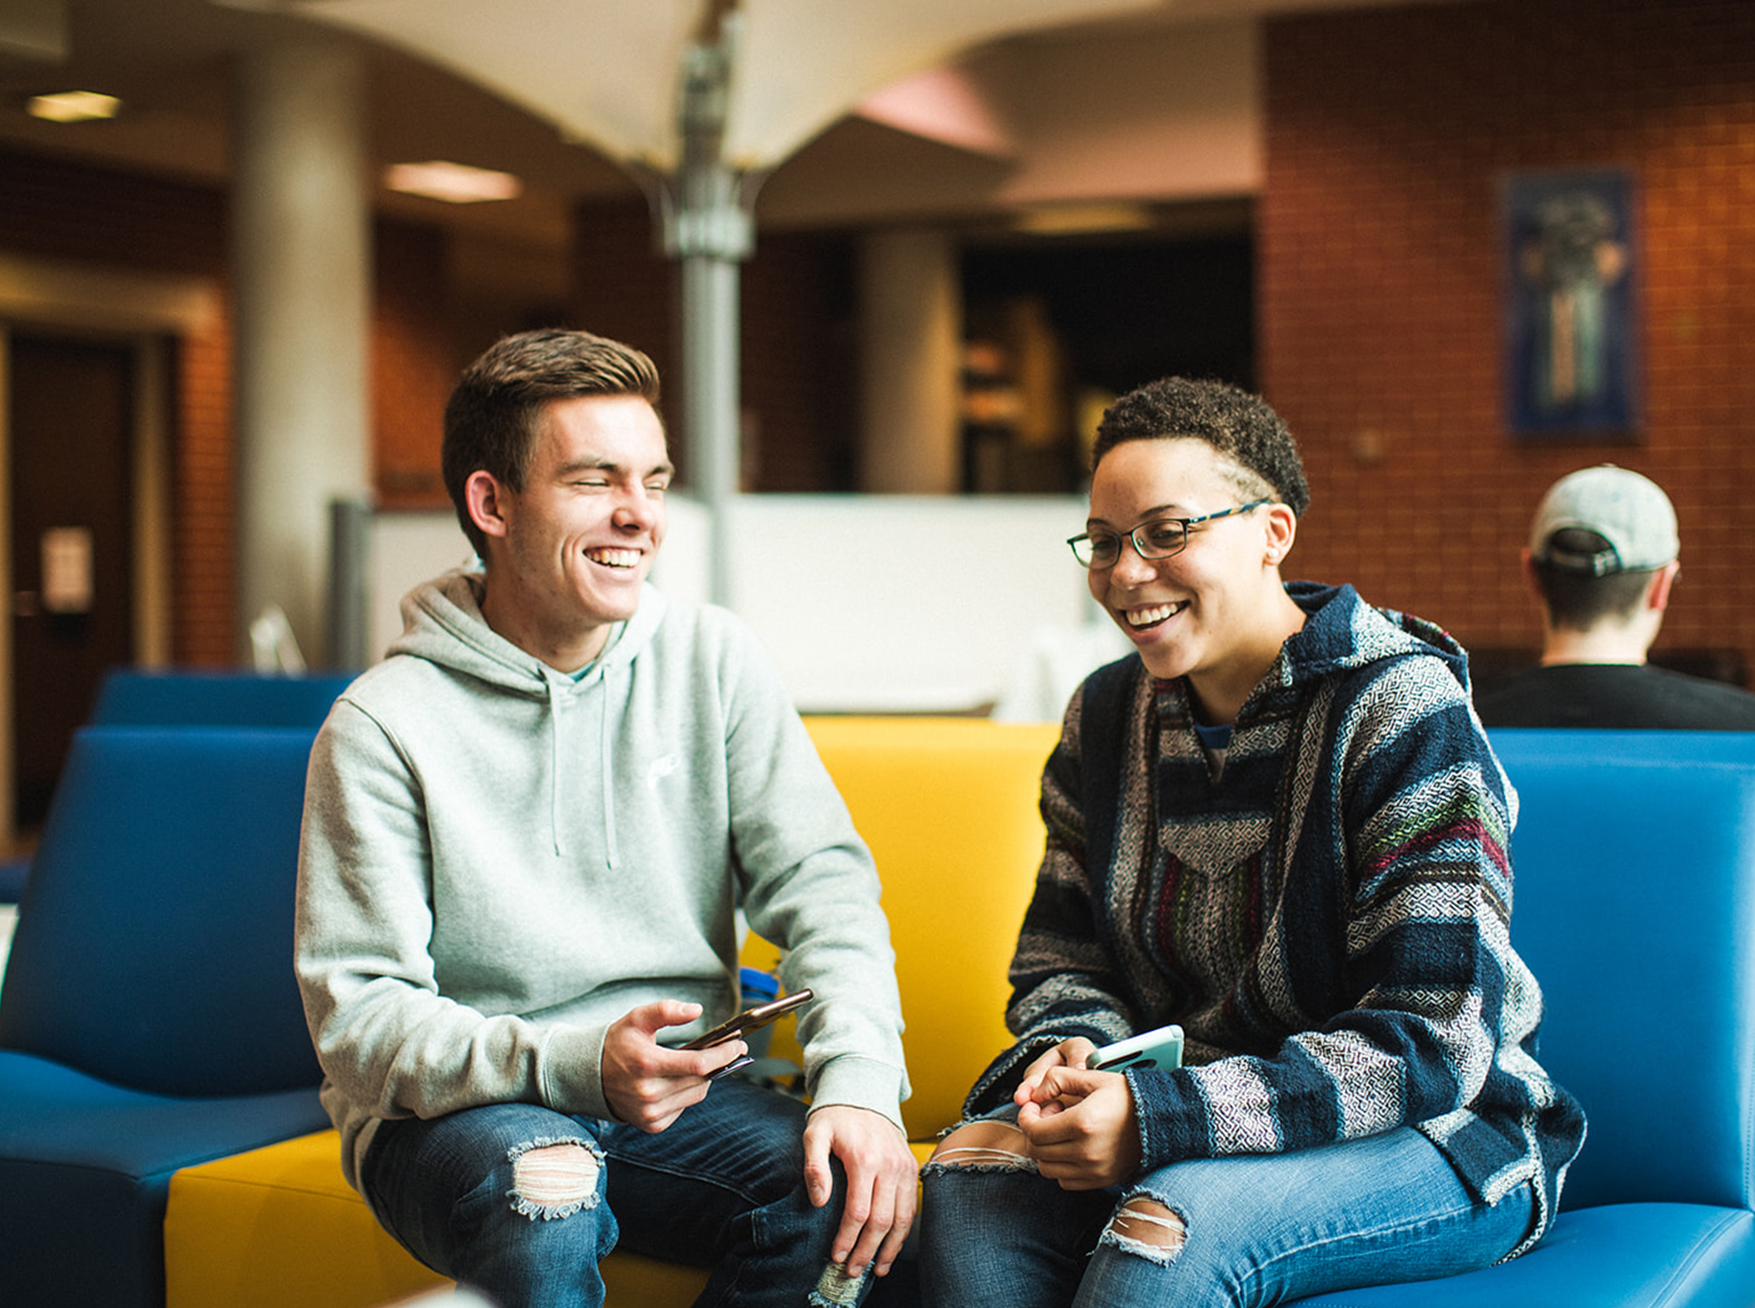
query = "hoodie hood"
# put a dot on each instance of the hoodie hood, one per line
(443, 624)
(1344, 634)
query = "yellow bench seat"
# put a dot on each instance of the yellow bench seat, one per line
(948, 807)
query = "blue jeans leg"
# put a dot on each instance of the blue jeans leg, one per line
(722, 1187)
(728, 1191)
(1256, 1230)
(448, 1190)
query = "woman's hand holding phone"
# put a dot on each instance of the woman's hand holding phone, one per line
(1080, 1119)
(1082, 1127)
(1068, 1053)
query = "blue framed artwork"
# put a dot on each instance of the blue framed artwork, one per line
(1571, 361)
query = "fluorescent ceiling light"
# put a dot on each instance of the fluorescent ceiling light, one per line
(453, 183)
(73, 106)
(1068, 219)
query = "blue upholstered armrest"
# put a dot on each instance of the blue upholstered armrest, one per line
(1634, 856)
(154, 941)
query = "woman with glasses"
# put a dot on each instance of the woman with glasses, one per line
(1279, 826)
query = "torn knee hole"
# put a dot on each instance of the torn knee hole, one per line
(835, 1288)
(551, 1180)
(1144, 1221)
(983, 1145)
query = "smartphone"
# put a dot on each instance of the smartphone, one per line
(749, 1020)
(1160, 1049)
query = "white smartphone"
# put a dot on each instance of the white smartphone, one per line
(1160, 1049)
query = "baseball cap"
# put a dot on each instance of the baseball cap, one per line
(1629, 511)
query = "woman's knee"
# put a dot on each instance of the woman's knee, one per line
(1148, 1227)
(988, 1145)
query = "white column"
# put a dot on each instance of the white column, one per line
(301, 250)
(911, 317)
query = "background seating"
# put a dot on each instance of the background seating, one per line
(149, 1018)
(1635, 907)
(130, 696)
(208, 697)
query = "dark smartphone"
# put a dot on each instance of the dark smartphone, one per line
(749, 1020)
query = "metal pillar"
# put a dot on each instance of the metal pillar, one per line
(708, 227)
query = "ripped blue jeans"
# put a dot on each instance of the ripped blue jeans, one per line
(1230, 1232)
(520, 1202)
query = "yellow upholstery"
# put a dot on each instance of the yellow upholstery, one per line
(948, 806)
(278, 1228)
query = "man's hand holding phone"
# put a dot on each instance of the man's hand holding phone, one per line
(751, 1019)
(647, 1084)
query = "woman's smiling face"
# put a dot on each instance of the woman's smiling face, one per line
(1217, 609)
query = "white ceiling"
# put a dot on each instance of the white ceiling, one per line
(169, 61)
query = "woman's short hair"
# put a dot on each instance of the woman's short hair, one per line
(1235, 422)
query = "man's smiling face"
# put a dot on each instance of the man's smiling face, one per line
(576, 543)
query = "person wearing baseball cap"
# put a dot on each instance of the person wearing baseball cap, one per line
(1601, 562)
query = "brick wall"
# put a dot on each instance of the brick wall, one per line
(414, 364)
(1388, 135)
(66, 211)
(58, 210)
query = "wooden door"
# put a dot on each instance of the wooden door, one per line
(71, 478)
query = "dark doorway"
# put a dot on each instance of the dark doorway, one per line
(1099, 316)
(71, 475)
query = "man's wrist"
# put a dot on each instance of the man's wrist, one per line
(893, 1121)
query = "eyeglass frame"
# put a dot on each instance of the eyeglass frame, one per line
(1132, 535)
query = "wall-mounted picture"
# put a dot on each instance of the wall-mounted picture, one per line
(1571, 363)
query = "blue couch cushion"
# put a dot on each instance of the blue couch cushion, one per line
(1634, 860)
(85, 1171)
(13, 873)
(154, 941)
(143, 697)
(1651, 1255)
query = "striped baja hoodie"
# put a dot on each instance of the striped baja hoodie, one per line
(1325, 910)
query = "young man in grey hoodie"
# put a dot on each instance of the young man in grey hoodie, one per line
(527, 834)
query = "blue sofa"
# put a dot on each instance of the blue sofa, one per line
(218, 697)
(1635, 907)
(231, 697)
(149, 1017)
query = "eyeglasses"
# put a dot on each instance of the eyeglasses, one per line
(1157, 539)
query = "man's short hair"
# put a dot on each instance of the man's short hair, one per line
(1235, 422)
(1598, 535)
(1578, 598)
(1603, 520)
(494, 414)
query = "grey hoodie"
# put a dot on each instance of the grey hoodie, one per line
(498, 861)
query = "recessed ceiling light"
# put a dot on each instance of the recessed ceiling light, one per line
(73, 106)
(1069, 219)
(453, 183)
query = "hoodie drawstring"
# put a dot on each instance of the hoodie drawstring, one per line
(605, 748)
(554, 768)
(606, 775)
